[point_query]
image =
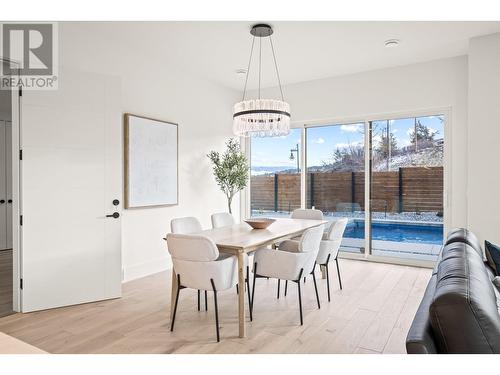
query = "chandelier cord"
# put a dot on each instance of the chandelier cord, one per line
(248, 69)
(260, 61)
(276, 66)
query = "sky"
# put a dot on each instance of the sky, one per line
(323, 141)
(275, 151)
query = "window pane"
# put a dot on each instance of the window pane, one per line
(275, 175)
(336, 179)
(407, 187)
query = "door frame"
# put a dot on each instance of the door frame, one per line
(16, 116)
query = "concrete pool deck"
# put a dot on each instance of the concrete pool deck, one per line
(408, 250)
(395, 249)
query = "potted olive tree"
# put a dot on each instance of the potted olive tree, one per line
(230, 170)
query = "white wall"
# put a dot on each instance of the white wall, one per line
(203, 112)
(419, 87)
(484, 135)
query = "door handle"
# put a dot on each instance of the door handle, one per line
(9, 201)
(114, 215)
(2, 201)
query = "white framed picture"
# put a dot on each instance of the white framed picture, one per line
(151, 162)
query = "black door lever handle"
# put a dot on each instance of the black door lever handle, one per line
(115, 215)
(2, 201)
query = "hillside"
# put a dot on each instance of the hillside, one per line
(429, 157)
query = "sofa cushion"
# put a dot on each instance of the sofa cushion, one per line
(493, 256)
(464, 313)
(466, 236)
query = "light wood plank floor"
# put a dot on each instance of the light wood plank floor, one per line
(5, 282)
(11, 345)
(371, 314)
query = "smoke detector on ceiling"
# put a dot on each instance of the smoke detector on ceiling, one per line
(391, 43)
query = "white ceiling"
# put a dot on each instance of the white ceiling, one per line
(305, 50)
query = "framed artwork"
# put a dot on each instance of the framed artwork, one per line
(151, 162)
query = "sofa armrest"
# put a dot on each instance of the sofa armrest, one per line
(420, 339)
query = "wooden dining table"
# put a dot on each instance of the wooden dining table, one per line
(240, 239)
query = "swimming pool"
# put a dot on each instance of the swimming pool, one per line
(431, 233)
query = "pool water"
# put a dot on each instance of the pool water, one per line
(398, 232)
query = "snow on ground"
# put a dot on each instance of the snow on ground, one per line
(429, 157)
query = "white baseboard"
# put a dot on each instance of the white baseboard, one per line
(150, 267)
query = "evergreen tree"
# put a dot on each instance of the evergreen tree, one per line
(383, 148)
(422, 133)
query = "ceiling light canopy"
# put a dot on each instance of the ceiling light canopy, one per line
(261, 117)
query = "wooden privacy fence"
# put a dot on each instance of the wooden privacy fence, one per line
(411, 189)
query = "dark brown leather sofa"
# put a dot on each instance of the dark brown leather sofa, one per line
(459, 312)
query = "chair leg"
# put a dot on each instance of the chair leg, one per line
(286, 286)
(206, 303)
(253, 286)
(338, 272)
(316, 288)
(176, 302)
(216, 310)
(198, 300)
(327, 281)
(300, 302)
(279, 282)
(248, 293)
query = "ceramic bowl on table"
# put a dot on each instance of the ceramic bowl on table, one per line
(261, 223)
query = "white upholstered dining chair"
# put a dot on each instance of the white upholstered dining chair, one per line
(225, 219)
(307, 213)
(329, 249)
(222, 219)
(290, 262)
(185, 225)
(199, 265)
(188, 225)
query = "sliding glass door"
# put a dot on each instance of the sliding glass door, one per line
(407, 187)
(385, 175)
(335, 177)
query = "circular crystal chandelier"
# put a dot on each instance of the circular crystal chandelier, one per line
(261, 117)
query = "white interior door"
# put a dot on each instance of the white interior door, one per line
(71, 172)
(8, 182)
(3, 184)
